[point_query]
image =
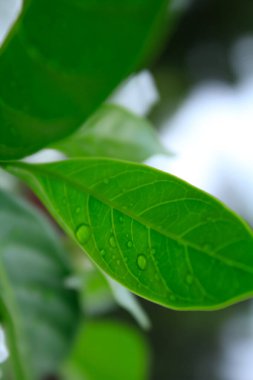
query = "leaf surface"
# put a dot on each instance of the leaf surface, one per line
(108, 351)
(114, 132)
(62, 59)
(157, 235)
(39, 313)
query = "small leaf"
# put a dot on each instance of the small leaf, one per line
(157, 235)
(38, 312)
(114, 132)
(62, 59)
(108, 351)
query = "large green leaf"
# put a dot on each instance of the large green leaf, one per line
(39, 313)
(62, 59)
(106, 350)
(114, 132)
(159, 236)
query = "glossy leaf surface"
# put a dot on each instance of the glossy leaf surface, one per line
(40, 315)
(62, 59)
(122, 352)
(114, 132)
(159, 236)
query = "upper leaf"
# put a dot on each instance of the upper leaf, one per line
(62, 59)
(159, 236)
(114, 132)
(39, 312)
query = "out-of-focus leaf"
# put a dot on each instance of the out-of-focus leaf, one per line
(62, 58)
(99, 293)
(129, 302)
(38, 312)
(159, 236)
(95, 293)
(114, 132)
(108, 351)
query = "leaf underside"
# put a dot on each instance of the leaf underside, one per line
(159, 236)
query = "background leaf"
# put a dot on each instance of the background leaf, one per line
(121, 351)
(99, 293)
(39, 313)
(62, 59)
(159, 236)
(114, 132)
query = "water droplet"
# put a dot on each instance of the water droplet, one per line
(118, 262)
(189, 279)
(83, 233)
(172, 298)
(78, 209)
(112, 242)
(130, 244)
(142, 262)
(121, 219)
(106, 181)
(102, 252)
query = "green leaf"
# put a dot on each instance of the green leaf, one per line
(114, 132)
(108, 351)
(157, 235)
(62, 59)
(39, 313)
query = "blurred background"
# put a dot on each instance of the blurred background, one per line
(199, 95)
(201, 90)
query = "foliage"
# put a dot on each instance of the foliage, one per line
(158, 236)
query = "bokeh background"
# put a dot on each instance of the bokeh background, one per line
(204, 114)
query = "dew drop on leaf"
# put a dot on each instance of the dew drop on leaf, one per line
(106, 181)
(102, 252)
(142, 262)
(78, 209)
(83, 233)
(130, 244)
(112, 242)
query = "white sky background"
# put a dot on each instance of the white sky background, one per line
(9, 10)
(212, 136)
